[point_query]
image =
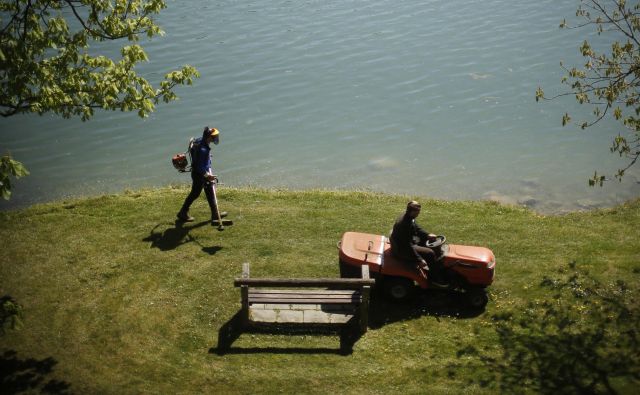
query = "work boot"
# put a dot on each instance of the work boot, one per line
(184, 217)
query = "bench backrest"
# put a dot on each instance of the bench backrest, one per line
(334, 283)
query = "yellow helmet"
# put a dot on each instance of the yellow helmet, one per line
(210, 132)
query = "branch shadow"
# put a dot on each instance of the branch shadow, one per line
(29, 375)
(235, 327)
(173, 237)
(434, 303)
(582, 338)
(211, 250)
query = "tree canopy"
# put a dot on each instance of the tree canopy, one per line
(47, 65)
(609, 81)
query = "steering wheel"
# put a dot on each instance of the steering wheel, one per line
(440, 240)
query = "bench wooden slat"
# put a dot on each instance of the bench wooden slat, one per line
(351, 298)
(305, 291)
(302, 301)
(343, 283)
(304, 296)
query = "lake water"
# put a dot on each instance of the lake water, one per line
(428, 98)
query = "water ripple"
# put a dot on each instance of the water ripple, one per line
(420, 97)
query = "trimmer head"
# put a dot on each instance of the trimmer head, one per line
(225, 222)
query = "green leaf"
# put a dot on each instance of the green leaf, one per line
(51, 69)
(608, 81)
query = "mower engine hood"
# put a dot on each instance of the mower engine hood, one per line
(470, 254)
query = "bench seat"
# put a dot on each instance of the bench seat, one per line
(300, 305)
(304, 296)
(334, 301)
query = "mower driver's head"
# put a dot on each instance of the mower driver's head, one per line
(413, 208)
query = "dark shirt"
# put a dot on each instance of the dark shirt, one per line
(406, 233)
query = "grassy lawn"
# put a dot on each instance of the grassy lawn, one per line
(118, 299)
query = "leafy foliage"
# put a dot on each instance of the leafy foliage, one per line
(609, 81)
(10, 314)
(46, 65)
(9, 167)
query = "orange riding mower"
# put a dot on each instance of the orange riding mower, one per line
(469, 270)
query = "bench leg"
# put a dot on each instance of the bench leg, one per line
(244, 295)
(363, 311)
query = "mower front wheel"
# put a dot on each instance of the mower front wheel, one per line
(477, 298)
(398, 289)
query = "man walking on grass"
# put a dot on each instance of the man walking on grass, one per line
(201, 174)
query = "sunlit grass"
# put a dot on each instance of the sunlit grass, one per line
(125, 301)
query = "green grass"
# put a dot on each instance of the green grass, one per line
(117, 299)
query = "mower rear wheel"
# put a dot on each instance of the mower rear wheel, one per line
(398, 289)
(477, 298)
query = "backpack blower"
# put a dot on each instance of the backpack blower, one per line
(180, 161)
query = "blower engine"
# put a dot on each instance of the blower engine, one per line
(180, 161)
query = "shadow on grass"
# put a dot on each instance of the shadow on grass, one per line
(172, 238)
(233, 328)
(381, 312)
(211, 250)
(582, 337)
(29, 375)
(435, 303)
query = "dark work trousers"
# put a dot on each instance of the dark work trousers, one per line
(199, 183)
(426, 253)
(436, 269)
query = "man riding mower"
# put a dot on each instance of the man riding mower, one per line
(465, 269)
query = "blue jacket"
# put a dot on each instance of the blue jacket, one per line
(200, 157)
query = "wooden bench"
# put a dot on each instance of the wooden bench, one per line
(317, 302)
